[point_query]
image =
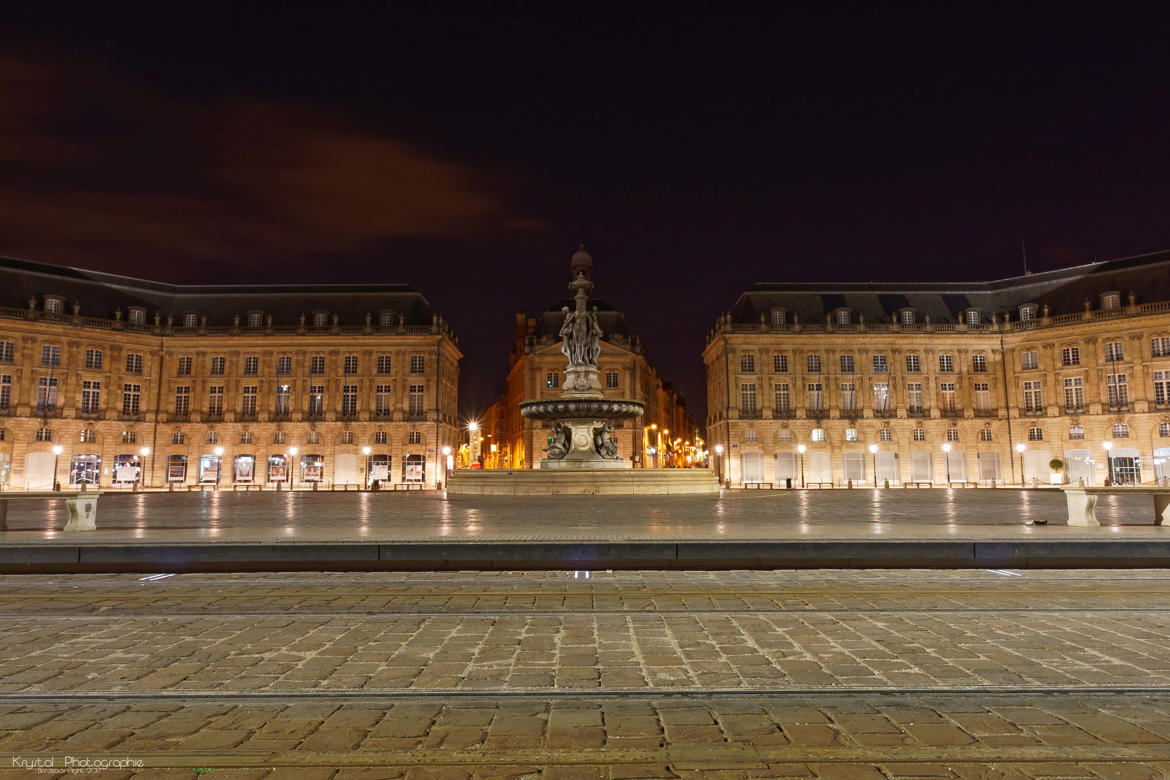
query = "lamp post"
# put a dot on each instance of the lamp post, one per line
(946, 448)
(1020, 449)
(142, 469)
(218, 465)
(801, 448)
(446, 464)
(719, 462)
(873, 448)
(1108, 462)
(292, 474)
(57, 450)
(366, 472)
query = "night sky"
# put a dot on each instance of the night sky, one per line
(694, 148)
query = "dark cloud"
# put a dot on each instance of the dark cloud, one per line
(99, 169)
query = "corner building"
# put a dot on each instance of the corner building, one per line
(947, 381)
(231, 385)
(536, 370)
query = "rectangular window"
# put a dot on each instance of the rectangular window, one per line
(747, 364)
(1033, 397)
(1074, 394)
(1121, 431)
(91, 397)
(44, 434)
(131, 400)
(885, 434)
(415, 401)
(611, 379)
(1029, 360)
(552, 379)
(349, 400)
(379, 437)
(972, 317)
(979, 363)
(133, 363)
(814, 364)
(316, 400)
(780, 364)
(177, 438)
(919, 434)
(1114, 352)
(1118, 390)
(47, 393)
(5, 391)
(783, 397)
(50, 355)
(816, 396)
(1076, 431)
(317, 364)
(1162, 388)
(283, 400)
(881, 396)
(982, 397)
(383, 364)
(952, 434)
(183, 366)
(846, 364)
(1159, 347)
(913, 364)
(946, 363)
(417, 364)
(848, 396)
(914, 397)
(747, 398)
(879, 364)
(382, 400)
(94, 359)
(248, 400)
(7, 351)
(947, 396)
(1070, 356)
(284, 365)
(985, 435)
(182, 401)
(251, 365)
(217, 365)
(414, 437)
(215, 401)
(351, 364)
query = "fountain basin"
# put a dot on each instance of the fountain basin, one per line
(559, 409)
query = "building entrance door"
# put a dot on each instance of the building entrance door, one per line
(1125, 470)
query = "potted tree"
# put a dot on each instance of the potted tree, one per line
(1057, 466)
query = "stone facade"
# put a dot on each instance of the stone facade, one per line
(1062, 363)
(198, 375)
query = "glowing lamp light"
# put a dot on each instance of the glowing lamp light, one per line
(58, 449)
(873, 448)
(218, 451)
(718, 449)
(446, 450)
(1021, 447)
(144, 451)
(293, 450)
(801, 448)
(366, 450)
(947, 447)
(1107, 445)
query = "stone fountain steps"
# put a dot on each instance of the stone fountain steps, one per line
(576, 482)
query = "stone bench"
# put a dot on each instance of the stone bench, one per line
(81, 505)
(1082, 501)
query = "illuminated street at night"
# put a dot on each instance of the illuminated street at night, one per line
(625, 674)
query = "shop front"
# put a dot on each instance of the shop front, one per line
(177, 469)
(277, 468)
(85, 469)
(127, 470)
(413, 469)
(378, 470)
(243, 469)
(209, 466)
(312, 468)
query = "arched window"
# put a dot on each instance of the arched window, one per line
(1035, 434)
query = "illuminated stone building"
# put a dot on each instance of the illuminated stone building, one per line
(918, 382)
(537, 371)
(258, 385)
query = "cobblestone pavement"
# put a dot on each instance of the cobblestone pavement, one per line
(857, 674)
(783, 514)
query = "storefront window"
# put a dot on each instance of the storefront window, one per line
(379, 469)
(177, 468)
(277, 469)
(243, 468)
(312, 468)
(127, 469)
(209, 469)
(85, 469)
(413, 468)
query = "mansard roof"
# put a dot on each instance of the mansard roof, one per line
(100, 293)
(1063, 291)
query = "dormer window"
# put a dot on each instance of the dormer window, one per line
(906, 317)
(136, 315)
(1027, 312)
(843, 316)
(54, 304)
(191, 319)
(386, 318)
(320, 319)
(779, 317)
(1111, 300)
(255, 319)
(972, 317)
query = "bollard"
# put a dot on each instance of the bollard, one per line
(849, 484)
(885, 483)
(788, 483)
(314, 487)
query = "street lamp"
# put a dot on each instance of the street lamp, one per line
(218, 465)
(142, 469)
(947, 457)
(292, 474)
(366, 473)
(446, 462)
(1020, 449)
(1108, 461)
(873, 448)
(57, 450)
(801, 448)
(719, 462)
